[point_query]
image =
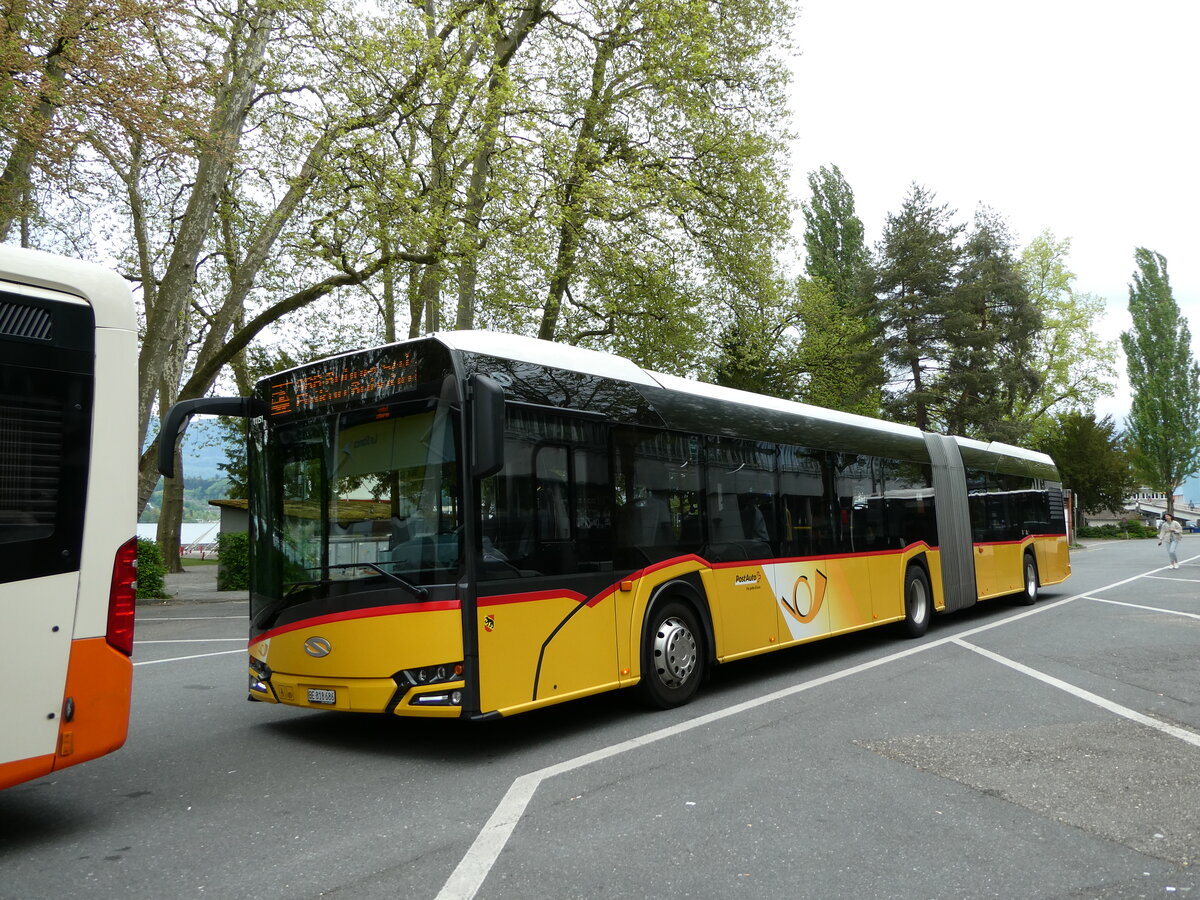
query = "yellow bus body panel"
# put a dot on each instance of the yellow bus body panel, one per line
(546, 647)
(541, 648)
(366, 650)
(1053, 558)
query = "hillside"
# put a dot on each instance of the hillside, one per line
(202, 479)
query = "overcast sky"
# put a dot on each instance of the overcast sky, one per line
(1079, 117)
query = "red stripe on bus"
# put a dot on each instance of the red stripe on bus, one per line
(1028, 539)
(531, 597)
(775, 560)
(400, 609)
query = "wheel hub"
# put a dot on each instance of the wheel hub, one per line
(674, 652)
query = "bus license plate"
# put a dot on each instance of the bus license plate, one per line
(322, 695)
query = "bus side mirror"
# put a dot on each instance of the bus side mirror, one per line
(179, 414)
(487, 426)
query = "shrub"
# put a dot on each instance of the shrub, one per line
(151, 571)
(233, 549)
(1132, 529)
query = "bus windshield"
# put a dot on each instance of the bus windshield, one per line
(351, 504)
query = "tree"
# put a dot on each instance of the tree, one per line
(989, 325)
(918, 261)
(303, 161)
(757, 347)
(834, 243)
(76, 68)
(666, 180)
(1164, 417)
(833, 373)
(837, 319)
(1092, 460)
(1072, 366)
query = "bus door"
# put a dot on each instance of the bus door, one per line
(546, 609)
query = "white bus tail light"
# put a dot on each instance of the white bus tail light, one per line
(122, 598)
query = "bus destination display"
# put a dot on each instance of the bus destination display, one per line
(356, 380)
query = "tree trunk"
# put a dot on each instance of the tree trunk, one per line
(171, 517)
(575, 214)
(481, 165)
(166, 321)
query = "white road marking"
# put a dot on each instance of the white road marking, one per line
(1169, 612)
(1125, 712)
(154, 662)
(468, 876)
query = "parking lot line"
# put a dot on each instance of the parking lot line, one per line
(154, 662)
(1125, 712)
(1169, 612)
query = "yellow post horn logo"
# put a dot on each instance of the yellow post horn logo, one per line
(815, 597)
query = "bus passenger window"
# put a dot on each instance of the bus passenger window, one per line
(658, 497)
(739, 500)
(802, 480)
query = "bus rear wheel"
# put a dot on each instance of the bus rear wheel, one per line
(918, 602)
(1029, 593)
(672, 656)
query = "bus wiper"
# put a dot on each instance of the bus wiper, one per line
(414, 589)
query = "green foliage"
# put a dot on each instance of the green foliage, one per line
(151, 571)
(1092, 461)
(989, 325)
(233, 550)
(1164, 418)
(834, 242)
(1126, 530)
(835, 374)
(196, 494)
(1072, 366)
(756, 355)
(918, 262)
(836, 306)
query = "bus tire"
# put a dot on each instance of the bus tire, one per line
(1029, 581)
(918, 601)
(672, 655)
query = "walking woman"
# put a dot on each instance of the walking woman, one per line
(1170, 531)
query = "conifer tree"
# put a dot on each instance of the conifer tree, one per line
(990, 327)
(919, 260)
(1164, 418)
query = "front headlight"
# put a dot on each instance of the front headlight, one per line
(411, 678)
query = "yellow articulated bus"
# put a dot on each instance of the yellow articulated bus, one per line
(68, 470)
(477, 524)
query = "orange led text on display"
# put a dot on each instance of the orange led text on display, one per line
(305, 391)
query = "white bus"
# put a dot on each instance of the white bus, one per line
(68, 470)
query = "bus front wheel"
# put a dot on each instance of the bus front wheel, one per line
(672, 656)
(918, 602)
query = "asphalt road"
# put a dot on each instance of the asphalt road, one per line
(1035, 752)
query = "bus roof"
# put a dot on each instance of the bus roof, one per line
(688, 405)
(28, 271)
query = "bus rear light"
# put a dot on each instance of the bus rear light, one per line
(122, 598)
